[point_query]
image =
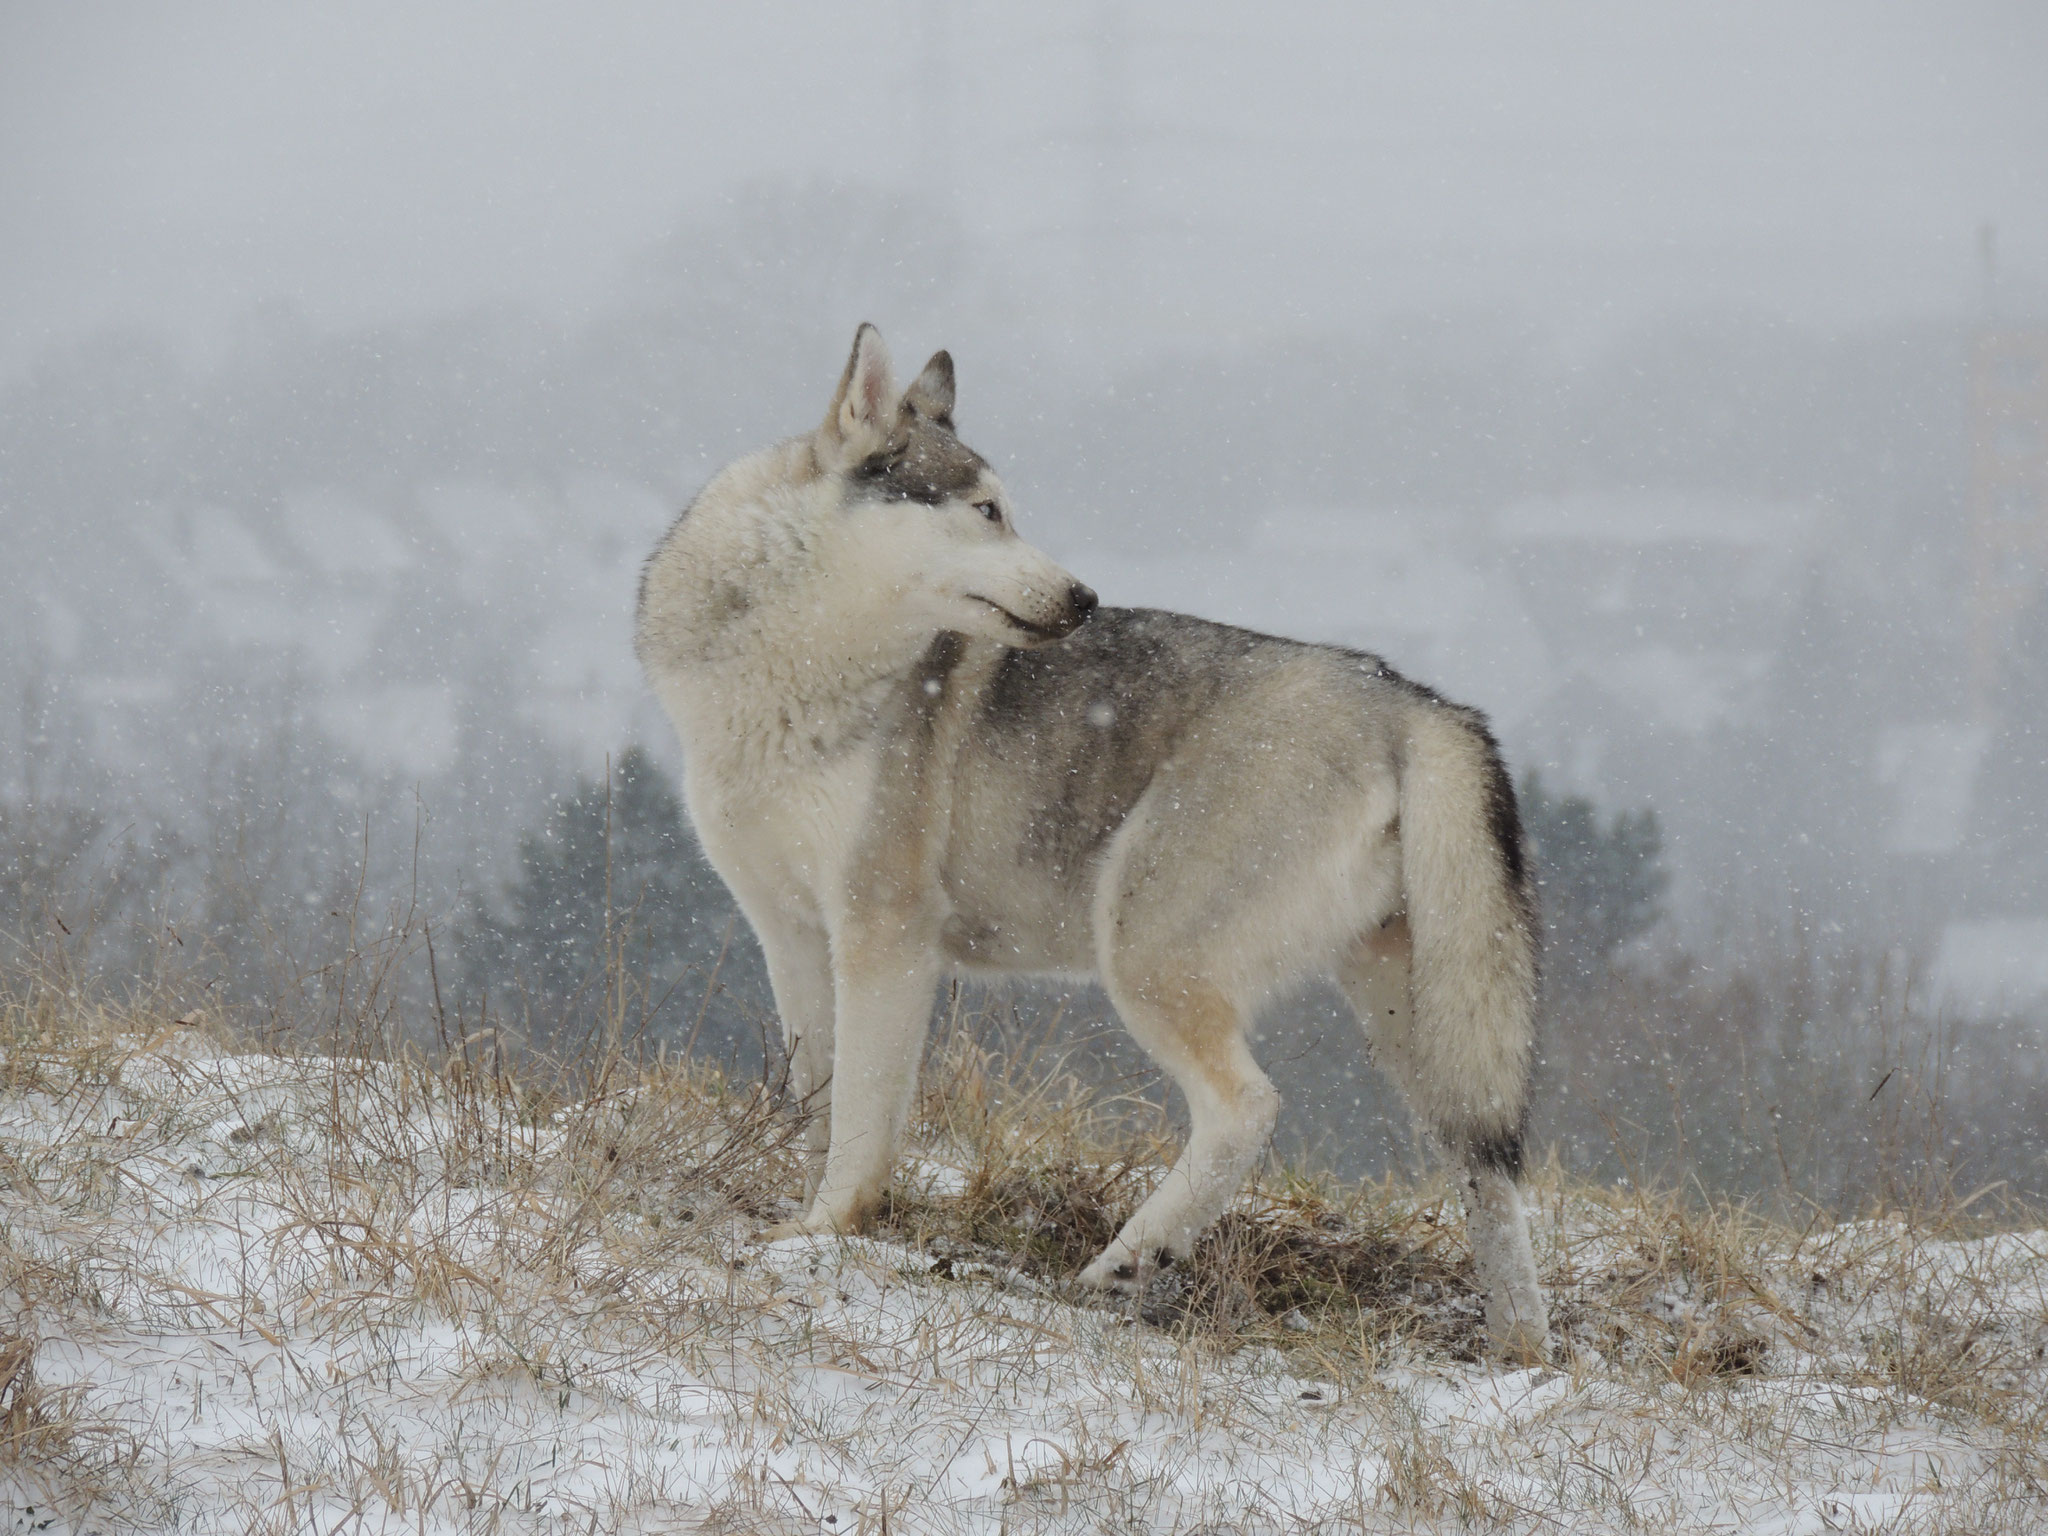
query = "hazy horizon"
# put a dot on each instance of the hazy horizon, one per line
(1123, 175)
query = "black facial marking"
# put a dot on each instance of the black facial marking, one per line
(924, 462)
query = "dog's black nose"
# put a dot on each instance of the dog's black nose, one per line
(1082, 600)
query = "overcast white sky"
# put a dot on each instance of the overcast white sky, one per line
(1282, 165)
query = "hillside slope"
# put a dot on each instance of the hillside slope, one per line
(258, 1290)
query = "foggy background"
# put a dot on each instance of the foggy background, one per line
(1607, 366)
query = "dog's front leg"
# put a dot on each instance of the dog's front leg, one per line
(800, 972)
(883, 984)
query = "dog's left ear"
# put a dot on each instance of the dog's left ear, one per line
(931, 394)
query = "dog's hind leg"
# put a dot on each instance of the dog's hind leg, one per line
(1375, 979)
(1179, 902)
(1194, 1030)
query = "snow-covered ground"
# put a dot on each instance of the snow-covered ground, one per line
(266, 1292)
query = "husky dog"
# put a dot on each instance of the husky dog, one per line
(914, 745)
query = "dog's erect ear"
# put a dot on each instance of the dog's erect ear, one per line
(931, 394)
(864, 408)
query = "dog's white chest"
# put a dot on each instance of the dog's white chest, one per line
(789, 835)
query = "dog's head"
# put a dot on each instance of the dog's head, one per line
(929, 520)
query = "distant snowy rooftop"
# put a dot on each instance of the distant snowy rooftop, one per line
(1993, 966)
(1932, 767)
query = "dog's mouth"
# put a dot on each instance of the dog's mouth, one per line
(1024, 626)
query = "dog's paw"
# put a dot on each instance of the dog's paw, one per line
(817, 1222)
(1517, 1345)
(1519, 1335)
(817, 1225)
(1118, 1271)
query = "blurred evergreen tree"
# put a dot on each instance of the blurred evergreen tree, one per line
(672, 917)
(1598, 885)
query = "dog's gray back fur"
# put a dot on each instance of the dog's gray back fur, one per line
(1097, 714)
(1067, 739)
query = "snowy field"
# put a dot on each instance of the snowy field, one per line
(250, 1290)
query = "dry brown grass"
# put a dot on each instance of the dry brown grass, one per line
(1047, 1170)
(415, 1168)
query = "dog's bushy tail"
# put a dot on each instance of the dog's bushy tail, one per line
(1471, 910)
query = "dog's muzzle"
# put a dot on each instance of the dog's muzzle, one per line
(1080, 603)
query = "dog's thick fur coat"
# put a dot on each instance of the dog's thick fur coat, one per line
(913, 745)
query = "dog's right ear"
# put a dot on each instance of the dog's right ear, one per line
(864, 408)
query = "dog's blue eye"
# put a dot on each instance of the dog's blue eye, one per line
(989, 510)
